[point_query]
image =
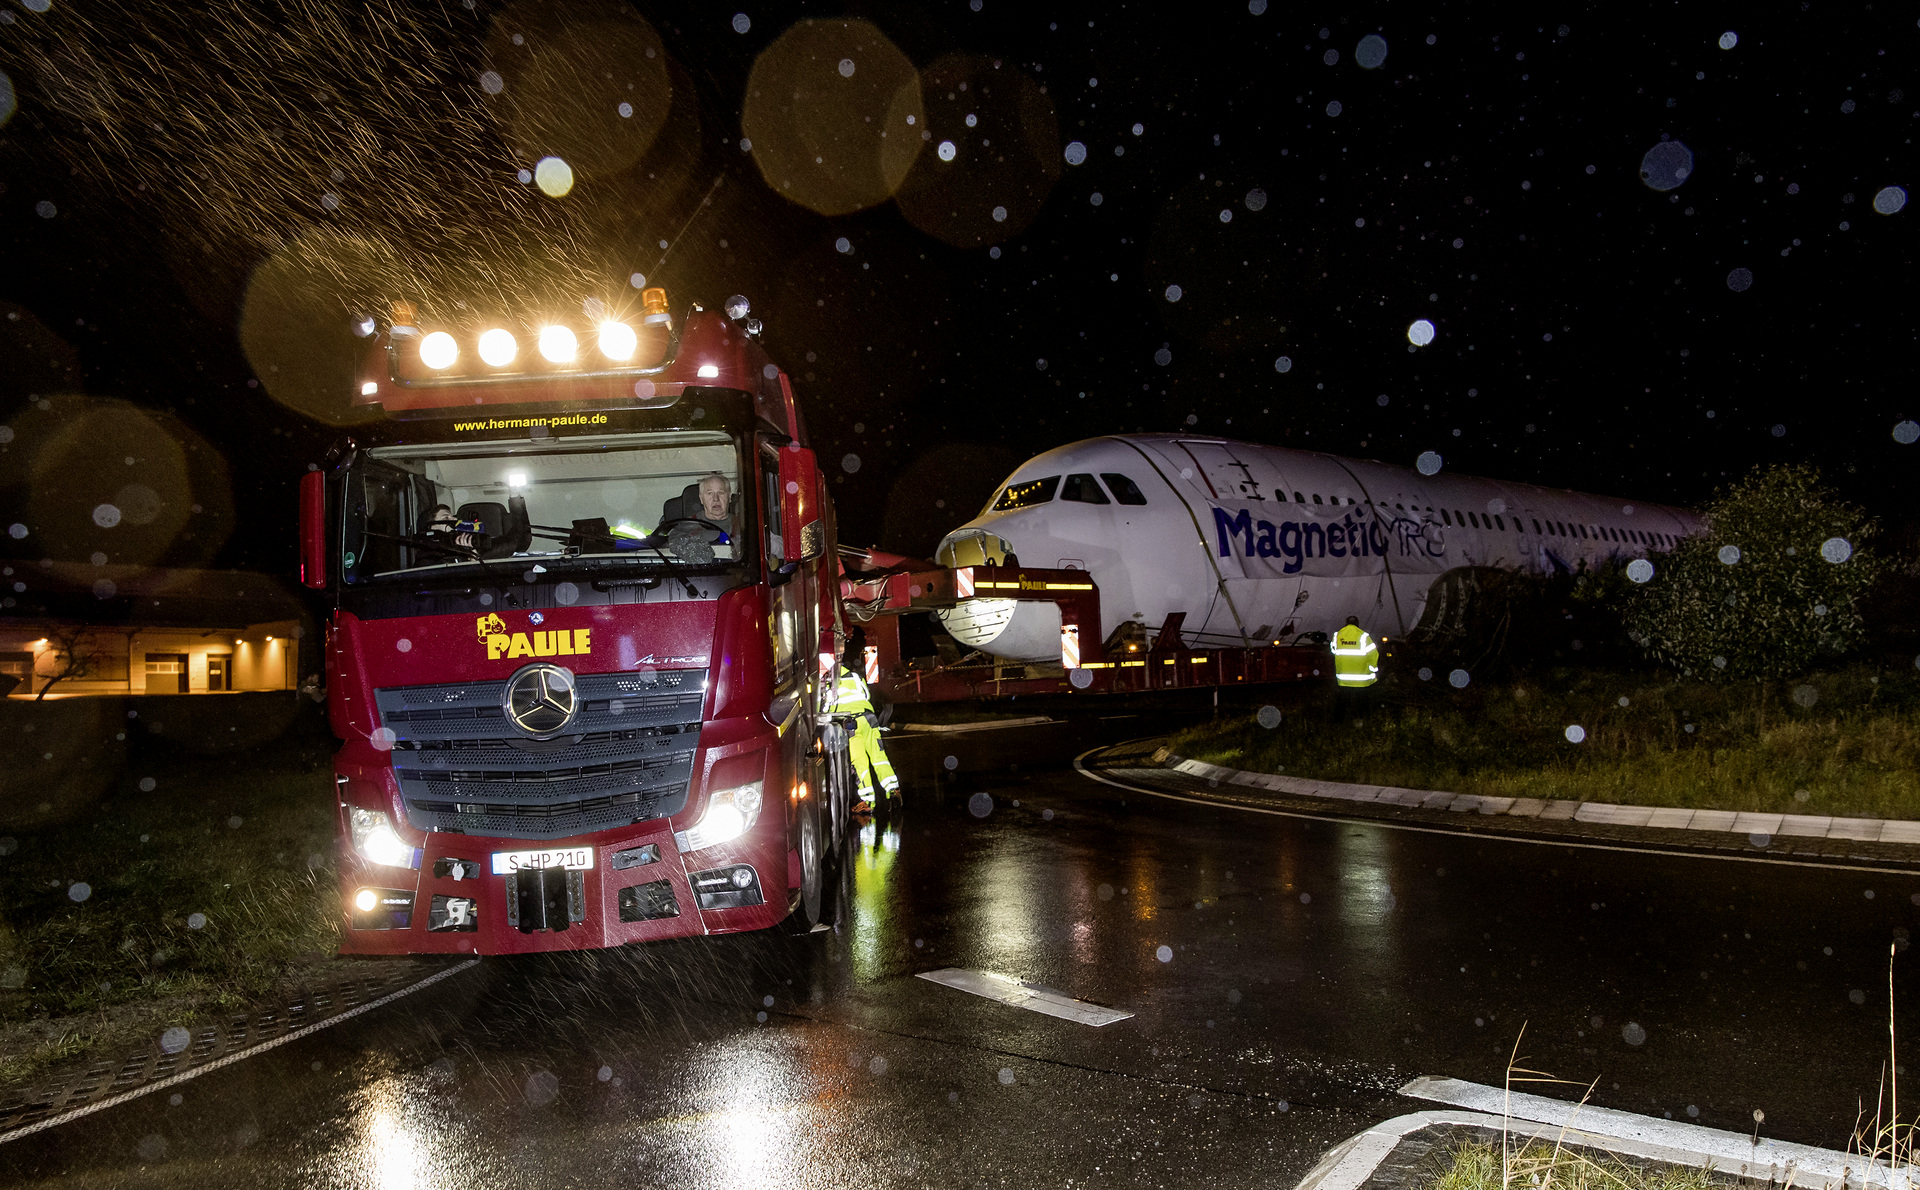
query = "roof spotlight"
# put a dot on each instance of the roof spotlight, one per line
(438, 350)
(498, 347)
(558, 345)
(617, 340)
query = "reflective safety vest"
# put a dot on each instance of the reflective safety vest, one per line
(1356, 659)
(850, 695)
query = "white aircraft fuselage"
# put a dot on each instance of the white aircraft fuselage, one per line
(1256, 544)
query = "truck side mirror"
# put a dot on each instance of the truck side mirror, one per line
(313, 529)
(804, 533)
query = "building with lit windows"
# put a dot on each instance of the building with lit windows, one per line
(122, 630)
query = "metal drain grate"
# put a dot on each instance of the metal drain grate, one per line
(78, 1086)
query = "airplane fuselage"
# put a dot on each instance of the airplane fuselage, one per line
(1259, 543)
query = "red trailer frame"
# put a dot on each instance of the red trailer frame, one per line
(878, 588)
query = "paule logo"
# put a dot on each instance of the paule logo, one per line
(564, 642)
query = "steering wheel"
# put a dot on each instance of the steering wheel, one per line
(675, 520)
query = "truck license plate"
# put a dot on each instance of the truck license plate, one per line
(572, 858)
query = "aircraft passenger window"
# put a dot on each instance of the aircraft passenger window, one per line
(1083, 489)
(1536, 528)
(1024, 495)
(1499, 521)
(1317, 499)
(1299, 498)
(1124, 490)
(1474, 519)
(1445, 519)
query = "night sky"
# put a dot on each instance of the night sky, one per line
(1215, 219)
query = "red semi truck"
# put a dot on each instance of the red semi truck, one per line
(582, 587)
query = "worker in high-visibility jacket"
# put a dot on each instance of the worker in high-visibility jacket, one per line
(1356, 665)
(868, 755)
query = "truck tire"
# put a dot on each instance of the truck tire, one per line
(813, 869)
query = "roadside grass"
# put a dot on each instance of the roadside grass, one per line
(1478, 1165)
(245, 842)
(1844, 742)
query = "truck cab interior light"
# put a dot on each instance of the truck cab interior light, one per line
(558, 345)
(517, 480)
(730, 814)
(709, 371)
(498, 347)
(617, 340)
(376, 840)
(438, 350)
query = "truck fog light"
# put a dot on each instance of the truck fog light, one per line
(365, 900)
(742, 877)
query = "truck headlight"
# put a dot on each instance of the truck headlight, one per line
(730, 814)
(377, 842)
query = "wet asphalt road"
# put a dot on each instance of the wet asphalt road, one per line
(1312, 967)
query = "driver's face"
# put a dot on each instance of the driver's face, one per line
(713, 499)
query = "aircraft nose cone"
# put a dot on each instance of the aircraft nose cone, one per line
(975, 547)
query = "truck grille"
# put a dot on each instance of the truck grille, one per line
(627, 756)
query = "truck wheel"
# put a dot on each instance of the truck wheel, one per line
(813, 856)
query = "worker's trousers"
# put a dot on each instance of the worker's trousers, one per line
(869, 758)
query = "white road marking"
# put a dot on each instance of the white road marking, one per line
(1542, 841)
(1021, 994)
(261, 1047)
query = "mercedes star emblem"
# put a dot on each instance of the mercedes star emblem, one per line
(541, 700)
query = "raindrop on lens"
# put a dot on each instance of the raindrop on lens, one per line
(1729, 39)
(1906, 433)
(1890, 200)
(946, 150)
(1576, 734)
(1740, 280)
(1426, 675)
(1730, 554)
(1256, 200)
(196, 921)
(980, 804)
(1428, 463)
(1174, 293)
(1283, 364)
(1459, 678)
(1836, 549)
(1076, 153)
(742, 22)
(1334, 108)
(1269, 717)
(1164, 954)
(1371, 52)
(1640, 570)
(1420, 333)
(1633, 1034)
(1666, 165)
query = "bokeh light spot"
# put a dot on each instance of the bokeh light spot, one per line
(554, 177)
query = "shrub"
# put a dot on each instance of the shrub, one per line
(1772, 584)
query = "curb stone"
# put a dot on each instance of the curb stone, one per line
(1734, 822)
(1355, 1162)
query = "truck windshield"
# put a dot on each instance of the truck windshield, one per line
(639, 499)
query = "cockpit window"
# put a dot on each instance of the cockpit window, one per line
(1023, 495)
(1124, 490)
(1083, 489)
